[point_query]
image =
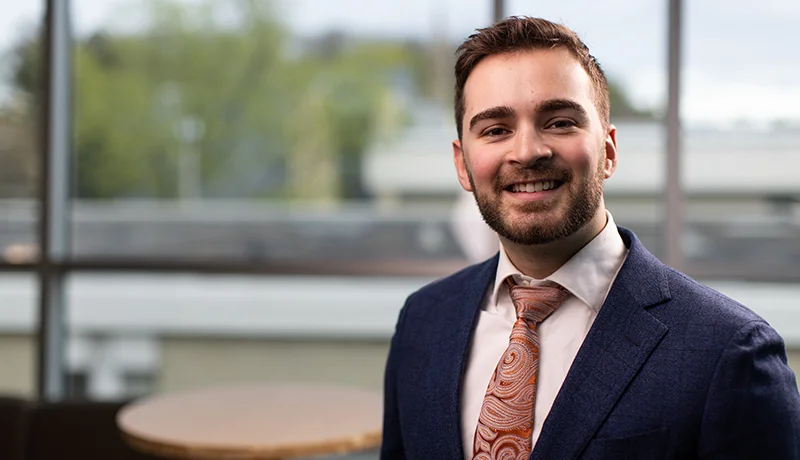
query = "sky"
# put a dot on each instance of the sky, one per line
(740, 60)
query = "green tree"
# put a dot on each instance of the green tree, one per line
(621, 107)
(192, 94)
(136, 94)
(20, 122)
(19, 152)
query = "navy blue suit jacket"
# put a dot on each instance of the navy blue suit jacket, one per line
(669, 370)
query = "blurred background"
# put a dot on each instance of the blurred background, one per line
(248, 190)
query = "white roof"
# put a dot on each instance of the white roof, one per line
(715, 162)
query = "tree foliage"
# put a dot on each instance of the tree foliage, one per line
(241, 97)
(621, 107)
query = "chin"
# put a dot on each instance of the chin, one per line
(533, 235)
(529, 229)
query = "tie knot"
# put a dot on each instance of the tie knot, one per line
(535, 303)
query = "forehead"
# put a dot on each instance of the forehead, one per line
(522, 79)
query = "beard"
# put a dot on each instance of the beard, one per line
(581, 205)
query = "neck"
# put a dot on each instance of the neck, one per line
(542, 260)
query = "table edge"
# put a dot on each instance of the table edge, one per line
(186, 452)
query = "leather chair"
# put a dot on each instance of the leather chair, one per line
(14, 416)
(78, 430)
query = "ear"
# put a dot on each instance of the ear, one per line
(461, 166)
(610, 164)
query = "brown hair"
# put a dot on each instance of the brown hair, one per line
(520, 33)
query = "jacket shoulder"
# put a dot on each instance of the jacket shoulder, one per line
(707, 305)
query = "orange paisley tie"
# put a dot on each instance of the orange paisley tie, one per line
(505, 424)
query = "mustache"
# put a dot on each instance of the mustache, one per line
(530, 174)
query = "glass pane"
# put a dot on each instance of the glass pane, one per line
(636, 72)
(281, 131)
(20, 149)
(742, 140)
(18, 311)
(132, 334)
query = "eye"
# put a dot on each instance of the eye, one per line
(495, 132)
(563, 124)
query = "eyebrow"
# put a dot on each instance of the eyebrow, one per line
(555, 105)
(501, 111)
(548, 106)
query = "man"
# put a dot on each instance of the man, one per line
(573, 342)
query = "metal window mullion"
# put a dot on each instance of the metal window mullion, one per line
(54, 190)
(673, 247)
(498, 10)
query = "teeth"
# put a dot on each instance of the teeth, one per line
(533, 187)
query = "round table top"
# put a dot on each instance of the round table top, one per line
(249, 422)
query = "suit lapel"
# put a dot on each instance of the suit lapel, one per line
(619, 342)
(454, 331)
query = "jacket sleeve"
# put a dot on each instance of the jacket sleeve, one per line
(392, 444)
(753, 406)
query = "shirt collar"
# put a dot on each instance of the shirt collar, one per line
(587, 275)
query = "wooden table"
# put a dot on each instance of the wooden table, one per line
(253, 422)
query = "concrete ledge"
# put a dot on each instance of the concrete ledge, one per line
(280, 307)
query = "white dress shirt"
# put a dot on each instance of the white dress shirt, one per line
(588, 276)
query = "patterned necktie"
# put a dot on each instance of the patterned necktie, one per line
(505, 424)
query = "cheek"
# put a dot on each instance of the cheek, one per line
(585, 159)
(484, 167)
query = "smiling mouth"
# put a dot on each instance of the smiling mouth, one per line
(535, 186)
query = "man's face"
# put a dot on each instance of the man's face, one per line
(534, 151)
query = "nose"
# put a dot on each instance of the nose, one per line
(529, 147)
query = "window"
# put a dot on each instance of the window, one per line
(263, 132)
(254, 187)
(303, 139)
(742, 135)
